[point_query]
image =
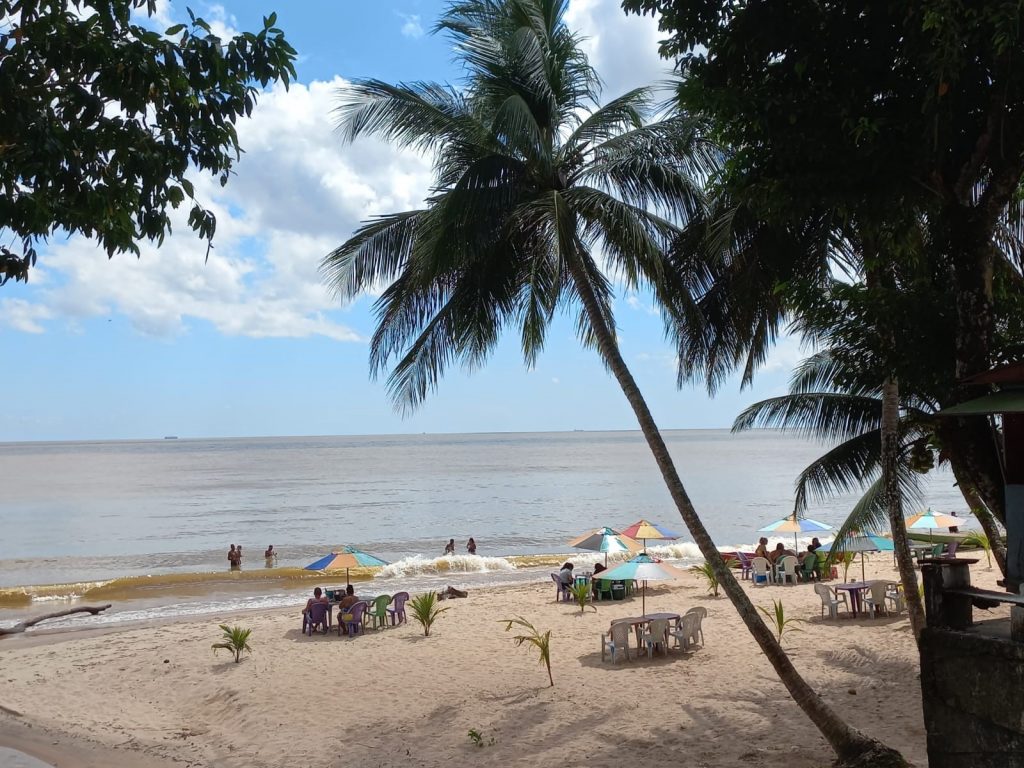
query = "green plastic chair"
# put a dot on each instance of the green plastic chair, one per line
(809, 568)
(630, 586)
(379, 610)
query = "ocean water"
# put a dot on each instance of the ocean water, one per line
(147, 524)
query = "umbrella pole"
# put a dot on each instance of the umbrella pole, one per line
(643, 599)
(347, 582)
(862, 567)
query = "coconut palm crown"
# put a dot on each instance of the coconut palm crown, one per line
(532, 180)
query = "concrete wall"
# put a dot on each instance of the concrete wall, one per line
(972, 688)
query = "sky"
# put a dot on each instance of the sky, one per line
(250, 343)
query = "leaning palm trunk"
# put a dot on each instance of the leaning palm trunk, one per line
(850, 745)
(894, 501)
(985, 517)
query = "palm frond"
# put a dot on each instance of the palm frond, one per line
(376, 253)
(826, 416)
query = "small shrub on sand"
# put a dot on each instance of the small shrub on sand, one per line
(234, 639)
(777, 619)
(581, 594)
(541, 642)
(426, 610)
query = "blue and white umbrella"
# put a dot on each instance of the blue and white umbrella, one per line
(643, 568)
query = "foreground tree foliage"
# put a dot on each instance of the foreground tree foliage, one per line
(532, 179)
(103, 119)
(881, 117)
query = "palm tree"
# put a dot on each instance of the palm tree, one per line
(531, 181)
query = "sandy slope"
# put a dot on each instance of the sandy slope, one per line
(157, 696)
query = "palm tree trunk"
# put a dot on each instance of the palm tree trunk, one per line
(985, 517)
(849, 744)
(894, 501)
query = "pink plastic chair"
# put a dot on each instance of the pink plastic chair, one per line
(352, 619)
(315, 618)
(397, 609)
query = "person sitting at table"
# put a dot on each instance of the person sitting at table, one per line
(598, 568)
(346, 602)
(762, 548)
(565, 575)
(318, 597)
(811, 554)
(780, 552)
(814, 546)
(349, 599)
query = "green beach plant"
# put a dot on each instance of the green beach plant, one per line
(235, 639)
(426, 610)
(581, 594)
(980, 540)
(706, 572)
(778, 621)
(542, 642)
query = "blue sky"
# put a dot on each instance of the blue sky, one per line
(250, 343)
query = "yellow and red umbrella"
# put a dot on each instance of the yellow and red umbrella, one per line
(346, 557)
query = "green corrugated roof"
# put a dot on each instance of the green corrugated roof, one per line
(1006, 401)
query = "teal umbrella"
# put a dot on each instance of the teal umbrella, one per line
(643, 568)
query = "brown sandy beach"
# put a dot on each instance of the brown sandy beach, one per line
(157, 696)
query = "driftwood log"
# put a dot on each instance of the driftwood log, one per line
(21, 626)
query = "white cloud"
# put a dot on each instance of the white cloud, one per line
(622, 48)
(298, 193)
(22, 315)
(222, 23)
(412, 26)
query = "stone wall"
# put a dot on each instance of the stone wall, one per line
(972, 689)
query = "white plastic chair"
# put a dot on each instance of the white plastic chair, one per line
(894, 594)
(656, 634)
(875, 601)
(615, 641)
(687, 630)
(762, 571)
(787, 568)
(701, 613)
(830, 600)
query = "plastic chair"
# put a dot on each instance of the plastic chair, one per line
(315, 618)
(809, 570)
(744, 562)
(397, 611)
(875, 601)
(951, 548)
(686, 630)
(894, 594)
(563, 592)
(616, 640)
(602, 589)
(831, 600)
(787, 568)
(701, 613)
(761, 570)
(656, 634)
(379, 611)
(352, 621)
(630, 586)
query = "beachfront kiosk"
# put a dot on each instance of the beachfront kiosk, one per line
(972, 675)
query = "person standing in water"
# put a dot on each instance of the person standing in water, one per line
(449, 548)
(270, 556)
(232, 555)
(471, 546)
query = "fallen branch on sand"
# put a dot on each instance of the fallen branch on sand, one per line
(21, 626)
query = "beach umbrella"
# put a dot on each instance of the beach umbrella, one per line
(643, 568)
(929, 520)
(862, 542)
(644, 530)
(794, 524)
(346, 557)
(605, 540)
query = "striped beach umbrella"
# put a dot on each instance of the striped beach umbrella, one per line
(644, 530)
(346, 557)
(794, 524)
(605, 540)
